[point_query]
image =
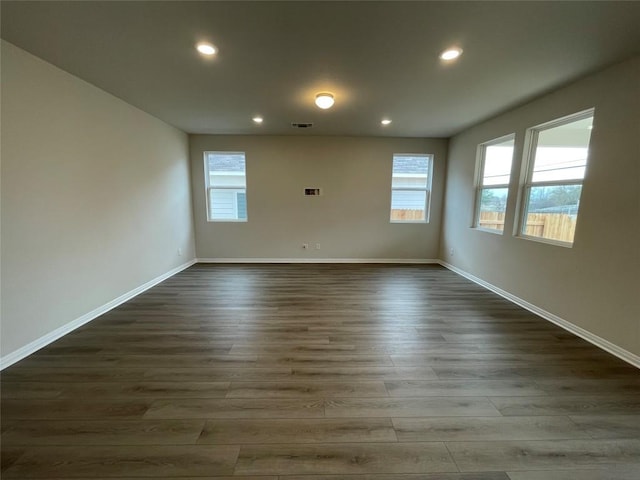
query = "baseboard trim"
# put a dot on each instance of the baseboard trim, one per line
(319, 260)
(592, 338)
(50, 337)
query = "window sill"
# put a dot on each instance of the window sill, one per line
(226, 220)
(548, 241)
(409, 221)
(488, 230)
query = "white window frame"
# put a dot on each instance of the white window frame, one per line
(426, 189)
(209, 187)
(480, 161)
(531, 144)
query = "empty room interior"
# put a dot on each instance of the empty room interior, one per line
(320, 240)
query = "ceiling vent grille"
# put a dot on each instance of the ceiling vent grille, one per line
(301, 125)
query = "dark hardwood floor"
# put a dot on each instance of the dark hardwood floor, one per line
(320, 372)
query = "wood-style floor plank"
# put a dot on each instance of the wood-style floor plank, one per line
(103, 432)
(609, 426)
(137, 461)
(309, 389)
(487, 359)
(129, 390)
(486, 428)
(217, 477)
(27, 409)
(568, 405)
(80, 373)
(462, 388)
(408, 476)
(589, 370)
(9, 455)
(543, 454)
(410, 407)
(147, 389)
(240, 432)
(340, 458)
(349, 374)
(41, 390)
(610, 472)
(629, 385)
(320, 372)
(236, 408)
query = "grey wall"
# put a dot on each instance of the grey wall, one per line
(351, 218)
(95, 201)
(593, 285)
(95, 198)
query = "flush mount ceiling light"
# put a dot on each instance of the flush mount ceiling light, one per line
(258, 119)
(451, 53)
(324, 100)
(206, 49)
(385, 121)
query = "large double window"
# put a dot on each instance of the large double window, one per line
(553, 169)
(226, 183)
(556, 164)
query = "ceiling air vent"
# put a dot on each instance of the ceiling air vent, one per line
(301, 125)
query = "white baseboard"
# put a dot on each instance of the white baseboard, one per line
(319, 260)
(600, 342)
(45, 340)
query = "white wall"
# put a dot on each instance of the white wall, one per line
(596, 284)
(95, 198)
(351, 218)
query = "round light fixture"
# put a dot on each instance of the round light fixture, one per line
(324, 100)
(206, 49)
(258, 119)
(385, 121)
(451, 53)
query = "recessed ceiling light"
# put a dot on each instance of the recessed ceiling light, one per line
(258, 119)
(324, 100)
(386, 121)
(206, 49)
(451, 53)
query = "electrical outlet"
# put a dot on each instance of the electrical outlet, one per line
(451, 252)
(317, 246)
(180, 251)
(305, 246)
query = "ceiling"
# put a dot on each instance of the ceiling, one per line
(379, 59)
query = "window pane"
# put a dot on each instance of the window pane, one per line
(410, 171)
(227, 162)
(226, 170)
(497, 163)
(561, 152)
(552, 212)
(241, 199)
(226, 183)
(227, 204)
(493, 204)
(407, 205)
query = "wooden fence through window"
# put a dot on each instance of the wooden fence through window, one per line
(398, 214)
(554, 226)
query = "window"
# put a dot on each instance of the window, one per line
(410, 187)
(557, 162)
(226, 183)
(492, 183)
